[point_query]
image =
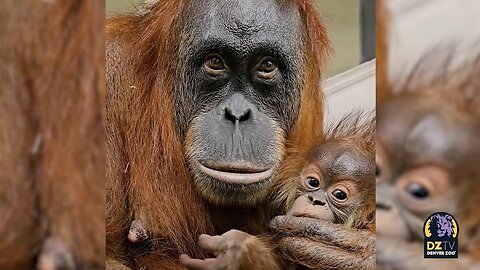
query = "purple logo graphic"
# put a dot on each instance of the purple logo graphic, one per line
(444, 223)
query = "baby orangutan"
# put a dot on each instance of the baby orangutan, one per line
(332, 199)
(336, 182)
(338, 185)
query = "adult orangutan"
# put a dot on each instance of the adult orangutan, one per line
(205, 99)
(52, 188)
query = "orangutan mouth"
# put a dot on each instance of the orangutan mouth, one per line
(236, 173)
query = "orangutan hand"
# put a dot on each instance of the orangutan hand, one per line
(318, 244)
(233, 250)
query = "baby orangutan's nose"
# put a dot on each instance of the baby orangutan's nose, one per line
(316, 199)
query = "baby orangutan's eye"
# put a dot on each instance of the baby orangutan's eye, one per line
(417, 191)
(312, 182)
(339, 195)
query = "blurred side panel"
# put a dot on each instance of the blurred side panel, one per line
(52, 187)
(427, 135)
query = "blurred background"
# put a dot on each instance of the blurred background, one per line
(351, 25)
(419, 28)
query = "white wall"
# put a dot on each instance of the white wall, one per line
(351, 90)
(435, 27)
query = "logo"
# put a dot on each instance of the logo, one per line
(441, 236)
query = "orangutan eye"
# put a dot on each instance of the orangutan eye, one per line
(312, 182)
(214, 65)
(267, 69)
(418, 191)
(339, 195)
(267, 66)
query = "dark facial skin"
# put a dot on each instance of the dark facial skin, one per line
(426, 156)
(243, 72)
(336, 185)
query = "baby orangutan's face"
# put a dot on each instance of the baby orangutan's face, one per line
(333, 186)
(318, 200)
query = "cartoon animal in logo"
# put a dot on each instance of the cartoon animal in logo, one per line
(444, 224)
